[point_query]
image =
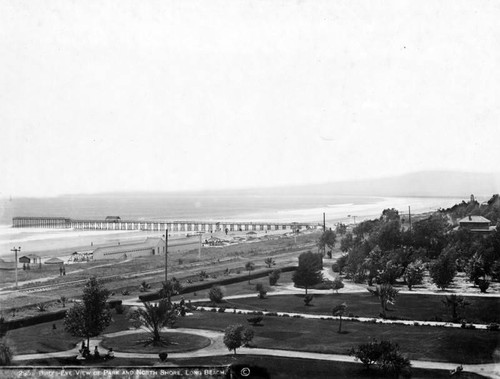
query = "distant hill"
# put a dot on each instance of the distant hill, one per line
(426, 183)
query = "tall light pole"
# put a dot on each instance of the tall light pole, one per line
(15, 259)
(166, 251)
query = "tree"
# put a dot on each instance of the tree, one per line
(215, 294)
(340, 264)
(414, 274)
(475, 269)
(269, 262)
(430, 234)
(327, 239)
(5, 354)
(339, 310)
(454, 303)
(443, 270)
(247, 336)
(386, 294)
(274, 277)
(337, 284)
(170, 288)
(236, 336)
(259, 287)
(308, 273)
(347, 242)
(90, 317)
(155, 317)
(341, 229)
(384, 354)
(249, 266)
(389, 273)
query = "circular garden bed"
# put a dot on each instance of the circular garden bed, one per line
(140, 343)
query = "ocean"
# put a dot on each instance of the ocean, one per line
(183, 207)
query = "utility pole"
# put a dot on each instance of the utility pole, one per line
(409, 216)
(166, 253)
(199, 247)
(15, 259)
(324, 223)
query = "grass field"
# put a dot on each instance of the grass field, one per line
(410, 307)
(425, 343)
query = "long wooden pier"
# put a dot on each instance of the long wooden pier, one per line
(116, 223)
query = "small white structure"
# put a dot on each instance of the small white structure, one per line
(151, 246)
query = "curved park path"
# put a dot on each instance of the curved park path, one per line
(217, 348)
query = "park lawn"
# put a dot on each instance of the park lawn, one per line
(418, 342)
(296, 368)
(422, 307)
(138, 342)
(41, 338)
(236, 289)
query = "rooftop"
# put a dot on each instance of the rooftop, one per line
(474, 219)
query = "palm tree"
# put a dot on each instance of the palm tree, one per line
(386, 294)
(339, 310)
(155, 317)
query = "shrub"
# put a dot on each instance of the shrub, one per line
(5, 354)
(247, 336)
(483, 285)
(259, 287)
(384, 354)
(63, 300)
(255, 320)
(274, 277)
(215, 294)
(42, 307)
(163, 356)
(222, 310)
(308, 298)
(493, 327)
(120, 309)
(144, 287)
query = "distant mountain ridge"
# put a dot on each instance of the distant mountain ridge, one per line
(418, 184)
(425, 183)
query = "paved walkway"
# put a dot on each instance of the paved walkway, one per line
(217, 348)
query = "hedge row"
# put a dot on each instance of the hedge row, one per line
(33, 320)
(43, 317)
(221, 282)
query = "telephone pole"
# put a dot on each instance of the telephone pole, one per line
(409, 216)
(166, 251)
(15, 259)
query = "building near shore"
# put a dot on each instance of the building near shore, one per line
(30, 259)
(477, 224)
(151, 246)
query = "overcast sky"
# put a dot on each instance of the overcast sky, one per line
(176, 95)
